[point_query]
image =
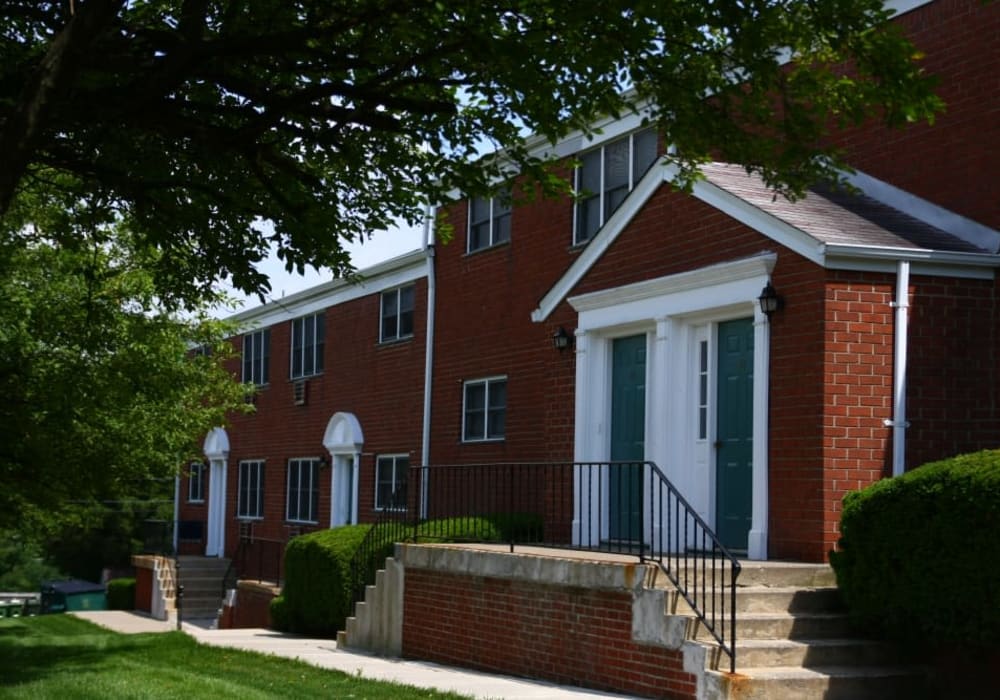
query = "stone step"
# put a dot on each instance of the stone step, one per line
(808, 653)
(764, 599)
(800, 626)
(752, 573)
(829, 683)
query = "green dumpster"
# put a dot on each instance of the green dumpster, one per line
(72, 595)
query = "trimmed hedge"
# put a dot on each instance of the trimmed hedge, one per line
(121, 594)
(318, 593)
(919, 558)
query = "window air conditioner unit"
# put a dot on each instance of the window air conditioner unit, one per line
(299, 392)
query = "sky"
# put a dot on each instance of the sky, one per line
(382, 245)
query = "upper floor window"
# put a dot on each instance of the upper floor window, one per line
(605, 177)
(390, 482)
(485, 410)
(302, 505)
(257, 357)
(307, 345)
(250, 495)
(196, 483)
(397, 313)
(489, 221)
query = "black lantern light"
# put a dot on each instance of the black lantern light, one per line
(769, 300)
(561, 339)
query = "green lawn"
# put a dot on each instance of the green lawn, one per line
(61, 656)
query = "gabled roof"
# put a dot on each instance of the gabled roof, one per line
(868, 230)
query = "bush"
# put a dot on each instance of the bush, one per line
(318, 594)
(121, 594)
(919, 557)
(279, 614)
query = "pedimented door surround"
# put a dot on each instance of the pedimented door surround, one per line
(672, 311)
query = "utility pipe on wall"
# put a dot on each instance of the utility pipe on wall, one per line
(425, 443)
(899, 423)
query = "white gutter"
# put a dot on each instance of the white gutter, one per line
(177, 508)
(898, 423)
(425, 447)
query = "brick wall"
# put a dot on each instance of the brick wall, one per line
(565, 634)
(951, 162)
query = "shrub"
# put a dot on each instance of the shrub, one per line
(919, 557)
(121, 594)
(279, 614)
(318, 593)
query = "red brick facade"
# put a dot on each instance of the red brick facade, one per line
(831, 357)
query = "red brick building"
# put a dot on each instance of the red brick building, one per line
(881, 356)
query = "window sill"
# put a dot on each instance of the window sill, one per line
(486, 249)
(480, 441)
(301, 522)
(305, 376)
(395, 341)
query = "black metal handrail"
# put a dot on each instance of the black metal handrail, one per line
(256, 558)
(620, 507)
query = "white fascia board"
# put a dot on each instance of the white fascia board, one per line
(923, 262)
(957, 225)
(392, 273)
(899, 7)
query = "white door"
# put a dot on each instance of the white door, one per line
(344, 490)
(215, 538)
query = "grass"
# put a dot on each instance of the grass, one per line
(64, 657)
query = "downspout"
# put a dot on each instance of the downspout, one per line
(899, 423)
(177, 508)
(425, 446)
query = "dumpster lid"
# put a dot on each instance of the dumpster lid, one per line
(71, 586)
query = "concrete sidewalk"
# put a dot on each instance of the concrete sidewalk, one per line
(325, 654)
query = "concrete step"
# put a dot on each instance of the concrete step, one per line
(773, 599)
(810, 653)
(752, 573)
(801, 626)
(829, 683)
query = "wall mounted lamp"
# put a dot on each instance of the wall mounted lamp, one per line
(561, 339)
(769, 300)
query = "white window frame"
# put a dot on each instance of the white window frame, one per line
(393, 461)
(257, 357)
(309, 466)
(604, 209)
(487, 383)
(309, 345)
(499, 209)
(196, 482)
(244, 511)
(392, 300)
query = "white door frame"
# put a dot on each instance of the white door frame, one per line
(344, 440)
(670, 309)
(216, 449)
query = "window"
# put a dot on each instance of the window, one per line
(196, 483)
(303, 490)
(489, 221)
(390, 482)
(397, 314)
(250, 496)
(257, 357)
(307, 345)
(605, 177)
(485, 409)
(703, 390)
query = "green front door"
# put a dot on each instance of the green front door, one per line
(734, 433)
(628, 435)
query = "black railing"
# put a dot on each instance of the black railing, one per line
(617, 507)
(256, 558)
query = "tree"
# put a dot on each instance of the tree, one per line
(104, 397)
(196, 121)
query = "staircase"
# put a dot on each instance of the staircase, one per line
(794, 641)
(202, 580)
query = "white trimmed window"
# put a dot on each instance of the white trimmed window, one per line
(484, 409)
(307, 345)
(489, 221)
(605, 177)
(250, 495)
(397, 314)
(390, 482)
(257, 357)
(196, 482)
(302, 505)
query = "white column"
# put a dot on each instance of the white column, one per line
(757, 538)
(215, 539)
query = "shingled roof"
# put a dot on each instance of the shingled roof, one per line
(838, 217)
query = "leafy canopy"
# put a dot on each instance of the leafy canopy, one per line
(103, 397)
(199, 121)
